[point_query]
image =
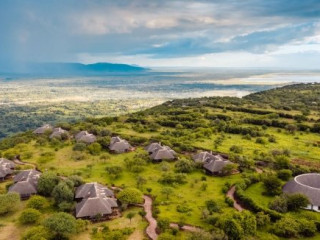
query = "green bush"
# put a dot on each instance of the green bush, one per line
(36, 233)
(37, 202)
(29, 216)
(9, 202)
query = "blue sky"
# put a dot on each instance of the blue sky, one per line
(168, 33)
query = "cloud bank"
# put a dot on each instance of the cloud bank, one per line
(230, 33)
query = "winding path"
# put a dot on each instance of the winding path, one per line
(230, 194)
(151, 229)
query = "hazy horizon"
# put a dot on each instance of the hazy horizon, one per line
(241, 34)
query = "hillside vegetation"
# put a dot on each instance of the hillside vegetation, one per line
(268, 135)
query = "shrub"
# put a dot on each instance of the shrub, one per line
(262, 219)
(29, 216)
(9, 202)
(184, 166)
(36, 233)
(212, 206)
(130, 196)
(37, 202)
(171, 178)
(297, 201)
(94, 148)
(46, 183)
(307, 228)
(183, 208)
(79, 147)
(61, 224)
(279, 204)
(284, 174)
(62, 193)
(272, 185)
(114, 171)
(286, 227)
(236, 149)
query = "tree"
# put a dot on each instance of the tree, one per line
(62, 193)
(130, 196)
(36, 233)
(130, 215)
(46, 183)
(284, 174)
(163, 224)
(37, 202)
(9, 202)
(286, 227)
(297, 201)
(272, 185)
(184, 166)
(167, 191)
(29, 216)
(212, 206)
(279, 204)
(262, 219)
(77, 180)
(61, 224)
(232, 228)
(94, 148)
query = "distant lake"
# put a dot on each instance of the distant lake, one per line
(161, 84)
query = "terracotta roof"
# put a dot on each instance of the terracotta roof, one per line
(307, 184)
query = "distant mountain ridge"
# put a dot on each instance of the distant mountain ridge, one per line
(76, 68)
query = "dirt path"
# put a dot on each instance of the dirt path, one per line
(259, 170)
(19, 162)
(151, 229)
(230, 194)
(188, 228)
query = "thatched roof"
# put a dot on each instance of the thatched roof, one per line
(203, 157)
(216, 165)
(57, 132)
(96, 199)
(85, 137)
(151, 148)
(119, 145)
(91, 207)
(43, 129)
(93, 190)
(24, 188)
(162, 153)
(6, 167)
(307, 184)
(25, 182)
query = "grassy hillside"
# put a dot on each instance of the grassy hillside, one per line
(279, 128)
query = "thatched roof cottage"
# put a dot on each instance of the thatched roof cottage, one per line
(119, 145)
(6, 168)
(163, 153)
(85, 137)
(45, 128)
(58, 132)
(25, 183)
(307, 184)
(216, 165)
(203, 157)
(95, 200)
(151, 148)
